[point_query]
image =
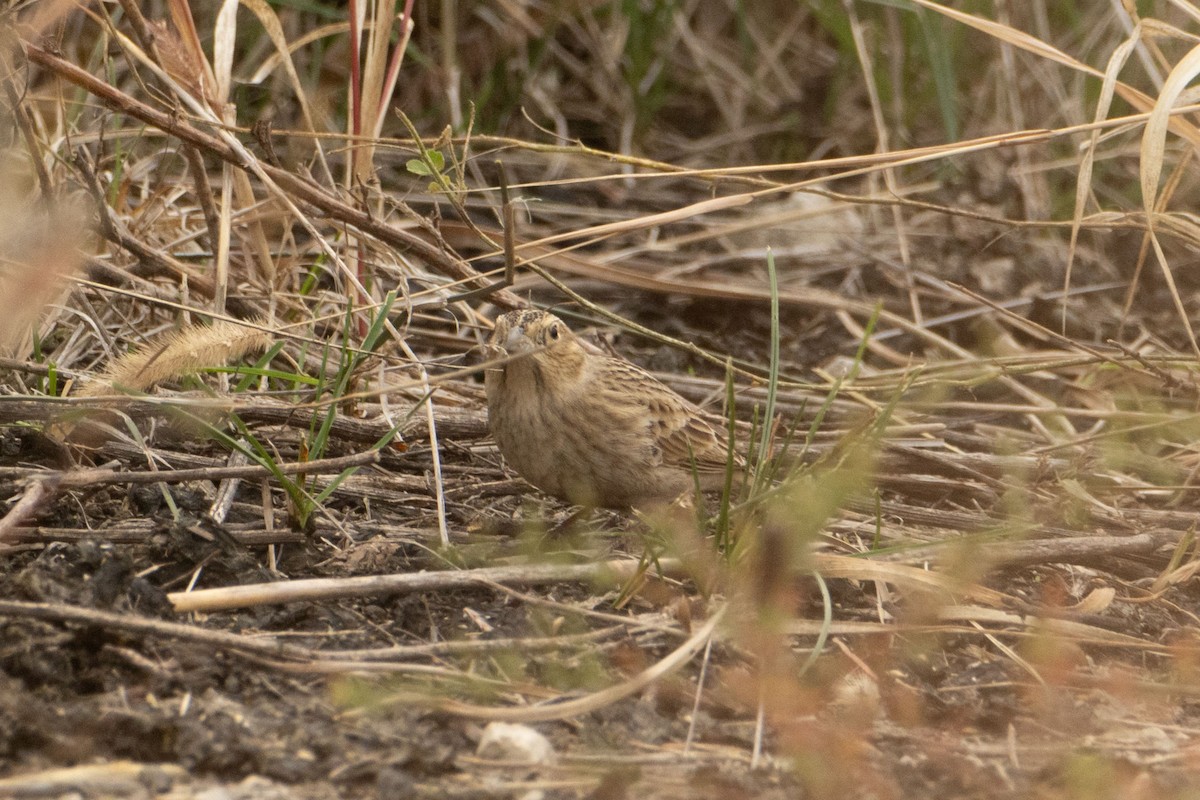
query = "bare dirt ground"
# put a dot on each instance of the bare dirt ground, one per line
(1049, 685)
(292, 564)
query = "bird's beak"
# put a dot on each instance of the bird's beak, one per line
(517, 342)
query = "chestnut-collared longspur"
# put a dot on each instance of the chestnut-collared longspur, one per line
(590, 428)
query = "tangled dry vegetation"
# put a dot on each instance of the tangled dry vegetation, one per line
(933, 267)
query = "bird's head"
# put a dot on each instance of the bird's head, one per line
(538, 337)
(527, 331)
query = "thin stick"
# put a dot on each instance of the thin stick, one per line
(34, 497)
(439, 488)
(376, 585)
(691, 734)
(92, 477)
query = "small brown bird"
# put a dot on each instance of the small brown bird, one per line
(593, 429)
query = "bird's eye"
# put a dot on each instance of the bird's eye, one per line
(553, 333)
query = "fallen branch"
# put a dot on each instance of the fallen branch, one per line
(35, 496)
(91, 477)
(1083, 550)
(139, 532)
(375, 585)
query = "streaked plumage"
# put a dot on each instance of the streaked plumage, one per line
(590, 428)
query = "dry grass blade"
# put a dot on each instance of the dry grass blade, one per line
(1083, 185)
(224, 40)
(1008, 34)
(1152, 155)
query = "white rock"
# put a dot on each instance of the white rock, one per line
(508, 742)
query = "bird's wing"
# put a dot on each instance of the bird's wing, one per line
(687, 437)
(681, 430)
